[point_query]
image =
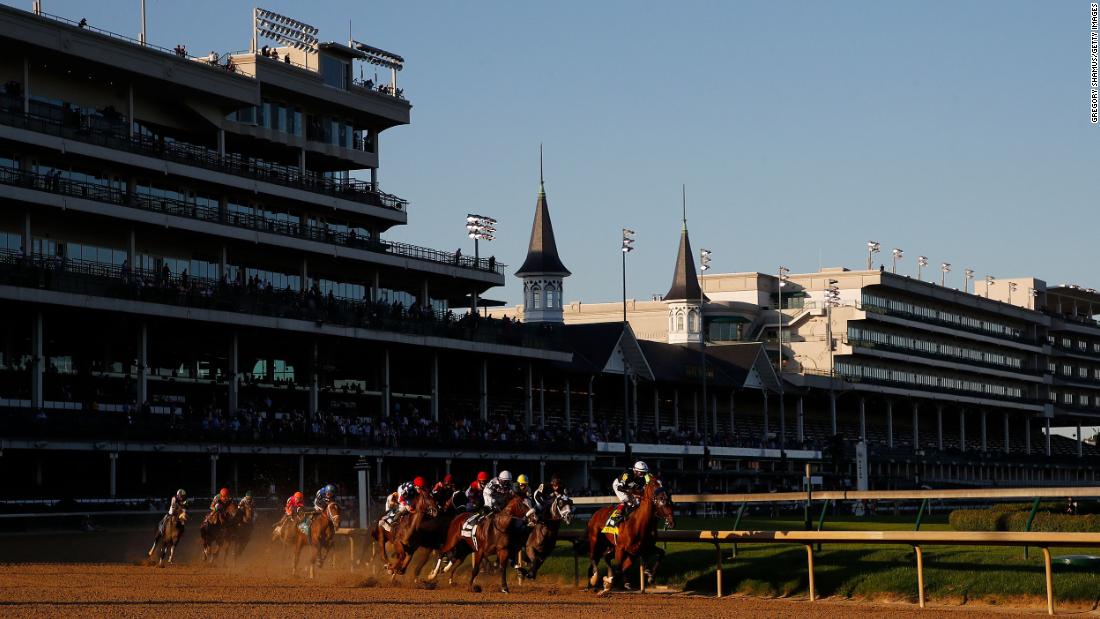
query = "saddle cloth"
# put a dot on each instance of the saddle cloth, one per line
(612, 525)
(469, 526)
(303, 526)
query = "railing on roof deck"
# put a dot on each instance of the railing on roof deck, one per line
(11, 114)
(193, 210)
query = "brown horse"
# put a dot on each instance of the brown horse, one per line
(214, 532)
(169, 534)
(637, 535)
(544, 535)
(241, 526)
(499, 534)
(322, 535)
(406, 531)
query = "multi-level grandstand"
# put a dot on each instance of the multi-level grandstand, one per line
(198, 290)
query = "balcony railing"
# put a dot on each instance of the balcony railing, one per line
(191, 210)
(121, 282)
(80, 130)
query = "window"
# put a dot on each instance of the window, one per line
(334, 72)
(1067, 369)
(551, 300)
(536, 297)
(1083, 400)
(1067, 398)
(679, 321)
(1083, 372)
(692, 319)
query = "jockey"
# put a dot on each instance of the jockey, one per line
(523, 487)
(294, 504)
(629, 485)
(474, 499)
(444, 491)
(407, 493)
(220, 500)
(323, 497)
(544, 495)
(245, 502)
(497, 492)
(176, 507)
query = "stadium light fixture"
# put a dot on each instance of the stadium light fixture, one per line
(968, 275)
(922, 261)
(873, 247)
(897, 253)
(989, 281)
(945, 268)
(704, 259)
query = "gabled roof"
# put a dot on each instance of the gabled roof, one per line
(594, 346)
(685, 283)
(750, 358)
(542, 251)
(673, 363)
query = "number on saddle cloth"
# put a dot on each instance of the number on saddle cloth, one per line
(613, 521)
(303, 526)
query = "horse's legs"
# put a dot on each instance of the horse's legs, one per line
(478, 556)
(624, 569)
(420, 566)
(171, 553)
(502, 557)
(658, 555)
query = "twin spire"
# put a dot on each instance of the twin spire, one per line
(685, 282)
(542, 251)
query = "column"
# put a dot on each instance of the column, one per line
(496, 463)
(1027, 435)
(962, 429)
(542, 471)
(1080, 441)
(234, 380)
(767, 429)
(832, 411)
(1048, 436)
(695, 411)
(361, 475)
(425, 297)
(223, 264)
(303, 273)
(634, 404)
(302, 472)
(314, 385)
(656, 409)
(916, 427)
(141, 385)
(131, 249)
(378, 463)
(676, 409)
(890, 423)
(528, 400)
(302, 161)
(483, 400)
(591, 396)
(1007, 448)
(213, 474)
(114, 473)
(28, 239)
(542, 401)
(130, 109)
(26, 85)
(568, 405)
(221, 143)
(985, 443)
(714, 413)
(386, 408)
(435, 386)
(863, 419)
(800, 421)
(376, 286)
(38, 361)
(939, 427)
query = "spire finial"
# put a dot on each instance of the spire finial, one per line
(540, 167)
(684, 203)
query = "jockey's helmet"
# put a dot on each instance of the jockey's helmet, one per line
(447, 479)
(504, 476)
(418, 482)
(298, 496)
(248, 495)
(522, 480)
(641, 467)
(330, 489)
(181, 493)
(482, 476)
(223, 493)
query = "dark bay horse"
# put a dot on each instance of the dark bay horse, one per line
(497, 534)
(406, 535)
(214, 532)
(241, 526)
(322, 535)
(168, 536)
(637, 535)
(544, 535)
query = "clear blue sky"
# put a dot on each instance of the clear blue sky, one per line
(802, 129)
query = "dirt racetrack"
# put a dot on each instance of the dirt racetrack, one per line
(55, 573)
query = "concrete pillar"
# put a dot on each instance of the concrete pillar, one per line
(1080, 441)
(962, 429)
(131, 249)
(483, 398)
(890, 423)
(985, 441)
(542, 401)
(714, 412)
(302, 473)
(130, 109)
(364, 490)
(302, 161)
(1048, 436)
(568, 405)
(695, 411)
(1027, 435)
(832, 411)
(800, 421)
(939, 427)
(676, 409)
(386, 407)
(528, 398)
(221, 143)
(303, 273)
(114, 473)
(863, 419)
(38, 360)
(234, 373)
(916, 427)
(435, 386)
(141, 384)
(376, 286)
(425, 295)
(236, 477)
(1007, 448)
(767, 419)
(314, 384)
(26, 85)
(213, 474)
(223, 263)
(496, 464)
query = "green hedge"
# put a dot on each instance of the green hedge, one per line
(1026, 507)
(1045, 522)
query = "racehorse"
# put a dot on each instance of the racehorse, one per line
(322, 534)
(240, 531)
(495, 534)
(214, 532)
(168, 536)
(637, 535)
(405, 533)
(544, 535)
